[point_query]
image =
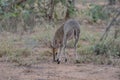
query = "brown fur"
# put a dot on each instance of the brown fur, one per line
(70, 29)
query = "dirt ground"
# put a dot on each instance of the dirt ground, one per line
(53, 71)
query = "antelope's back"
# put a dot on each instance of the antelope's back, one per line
(72, 28)
(71, 24)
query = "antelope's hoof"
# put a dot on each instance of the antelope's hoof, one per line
(65, 60)
(58, 61)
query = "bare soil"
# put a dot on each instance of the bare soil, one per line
(47, 70)
(52, 71)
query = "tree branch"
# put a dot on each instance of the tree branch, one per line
(109, 26)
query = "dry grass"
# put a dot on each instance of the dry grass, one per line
(34, 48)
(26, 49)
(31, 48)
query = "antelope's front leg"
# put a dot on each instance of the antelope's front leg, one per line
(62, 50)
(59, 55)
(54, 54)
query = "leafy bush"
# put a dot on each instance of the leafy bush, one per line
(96, 13)
(108, 47)
(101, 48)
(115, 48)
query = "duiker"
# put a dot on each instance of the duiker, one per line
(69, 30)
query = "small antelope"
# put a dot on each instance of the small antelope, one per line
(70, 29)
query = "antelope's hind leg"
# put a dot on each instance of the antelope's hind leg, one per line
(75, 48)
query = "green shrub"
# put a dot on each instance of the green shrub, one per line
(96, 12)
(115, 48)
(101, 48)
(86, 49)
(110, 47)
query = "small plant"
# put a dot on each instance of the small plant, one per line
(86, 49)
(95, 13)
(101, 48)
(115, 48)
(110, 47)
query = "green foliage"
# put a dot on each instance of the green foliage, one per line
(25, 13)
(101, 48)
(115, 48)
(19, 14)
(63, 2)
(96, 13)
(71, 10)
(86, 49)
(109, 47)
